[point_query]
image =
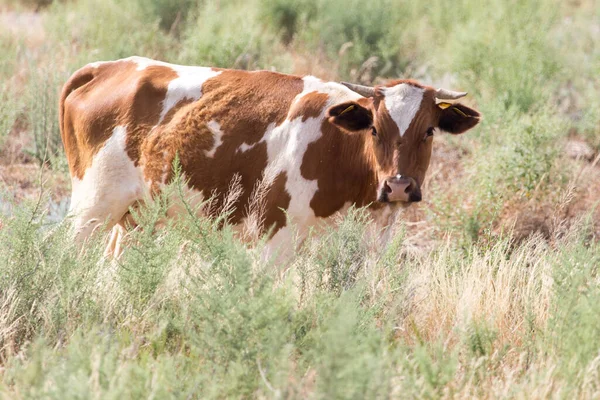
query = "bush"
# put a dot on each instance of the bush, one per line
(42, 114)
(91, 30)
(345, 31)
(504, 49)
(10, 106)
(238, 40)
(171, 14)
(287, 17)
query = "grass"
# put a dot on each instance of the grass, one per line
(489, 289)
(192, 312)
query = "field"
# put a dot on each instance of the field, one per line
(489, 288)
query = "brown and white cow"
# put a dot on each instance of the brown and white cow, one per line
(325, 145)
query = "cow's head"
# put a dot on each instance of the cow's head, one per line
(401, 118)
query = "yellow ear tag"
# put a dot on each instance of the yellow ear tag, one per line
(349, 108)
(459, 112)
(443, 106)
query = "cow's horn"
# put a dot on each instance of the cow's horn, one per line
(365, 91)
(445, 94)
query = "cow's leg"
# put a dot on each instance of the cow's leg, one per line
(91, 213)
(114, 242)
(108, 188)
(118, 235)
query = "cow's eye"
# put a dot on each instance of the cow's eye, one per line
(373, 131)
(429, 133)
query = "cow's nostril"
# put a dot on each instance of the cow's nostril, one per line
(408, 189)
(415, 197)
(387, 188)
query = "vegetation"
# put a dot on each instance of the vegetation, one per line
(489, 288)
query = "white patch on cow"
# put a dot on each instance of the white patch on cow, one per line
(245, 147)
(300, 135)
(97, 64)
(188, 85)
(143, 62)
(288, 142)
(215, 128)
(402, 102)
(337, 92)
(286, 145)
(109, 186)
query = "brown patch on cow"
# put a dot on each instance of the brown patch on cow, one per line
(309, 106)
(342, 163)
(171, 113)
(245, 105)
(277, 200)
(146, 107)
(96, 100)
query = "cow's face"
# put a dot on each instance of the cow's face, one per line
(401, 119)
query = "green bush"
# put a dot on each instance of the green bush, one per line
(10, 106)
(238, 40)
(42, 114)
(171, 14)
(367, 31)
(188, 311)
(287, 17)
(91, 30)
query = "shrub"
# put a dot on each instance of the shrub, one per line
(171, 14)
(238, 40)
(287, 17)
(367, 31)
(10, 106)
(91, 30)
(42, 114)
(504, 49)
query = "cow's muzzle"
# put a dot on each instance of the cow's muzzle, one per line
(399, 188)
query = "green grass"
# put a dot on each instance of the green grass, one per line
(192, 312)
(492, 293)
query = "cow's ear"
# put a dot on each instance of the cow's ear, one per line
(457, 118)
(351, 116)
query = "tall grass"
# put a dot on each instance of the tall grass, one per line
(192, 312)
(89, 30)
(237, 41)
(42, 114)
(9, 108)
